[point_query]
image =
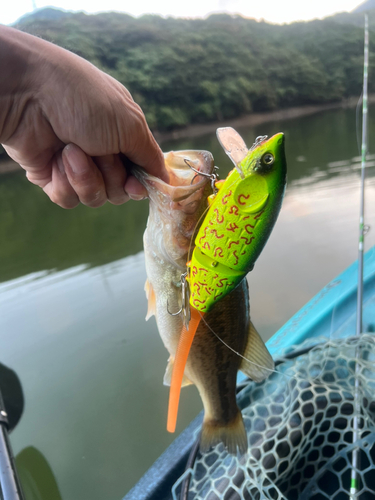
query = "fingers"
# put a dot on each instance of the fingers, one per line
(54, 182)
(119, 185)
(96, 182)
(73, 177)
(135, 189)
(58, 188)
(84, 176)
(114, 177)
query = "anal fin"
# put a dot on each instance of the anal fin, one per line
(168, 374)
(258, 363)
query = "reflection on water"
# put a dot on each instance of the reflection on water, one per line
(72, 323)
(37, 235)
(91, 369)
(38, 481)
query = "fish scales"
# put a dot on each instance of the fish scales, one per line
(213, 368)
(174, 212)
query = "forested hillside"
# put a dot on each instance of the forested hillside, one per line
(192, 71)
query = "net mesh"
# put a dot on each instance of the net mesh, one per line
(300, 430)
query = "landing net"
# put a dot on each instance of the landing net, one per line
(300, 430)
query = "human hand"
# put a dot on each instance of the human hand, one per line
(69, 125)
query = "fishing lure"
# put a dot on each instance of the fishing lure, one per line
(239, 221)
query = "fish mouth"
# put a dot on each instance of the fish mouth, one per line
(176, 207)
(185, 168)
(189, 172)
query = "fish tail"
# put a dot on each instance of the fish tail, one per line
(182, 353)
(232, 434)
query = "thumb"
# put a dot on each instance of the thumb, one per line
(140, 145)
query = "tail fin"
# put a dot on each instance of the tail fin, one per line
(232, 435)
(182, 353)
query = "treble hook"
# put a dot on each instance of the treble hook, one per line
(173, 314)
(185, 296)
(213, 177)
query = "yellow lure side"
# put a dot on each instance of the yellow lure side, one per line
(239, 221)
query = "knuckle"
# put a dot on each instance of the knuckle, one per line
(119, 200)
(136, 116)
(61, 195)
(124, 92)
(139, 117)
(35, 180)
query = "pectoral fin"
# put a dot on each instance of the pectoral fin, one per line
(150, 294)
(168, 375)
(258, 363)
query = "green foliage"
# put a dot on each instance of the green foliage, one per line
(188, 71)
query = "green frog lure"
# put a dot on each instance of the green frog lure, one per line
(237, 225)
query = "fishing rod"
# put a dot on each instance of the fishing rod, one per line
(10, 488)
(354, 483)
(362, 186)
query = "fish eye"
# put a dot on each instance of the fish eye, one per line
(267, 159)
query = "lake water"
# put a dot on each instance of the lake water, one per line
(72, 307)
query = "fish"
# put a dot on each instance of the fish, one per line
(226, 340)
(231, 237)
(174, 212)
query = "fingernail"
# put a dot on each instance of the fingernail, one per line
(136, 197)
(75, 158)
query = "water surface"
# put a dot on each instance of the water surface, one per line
(72, 306)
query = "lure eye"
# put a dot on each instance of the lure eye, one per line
(268, 159)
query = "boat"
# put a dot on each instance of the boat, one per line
(299, 420)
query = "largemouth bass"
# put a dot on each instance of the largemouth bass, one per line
(226, 340)
(233, 233)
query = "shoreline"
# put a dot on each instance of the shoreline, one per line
(256, 119)
(252, 119)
